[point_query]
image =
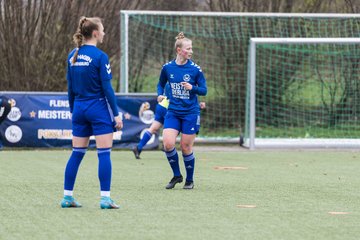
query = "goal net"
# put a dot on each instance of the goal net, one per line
(303, 92)
(220, 45)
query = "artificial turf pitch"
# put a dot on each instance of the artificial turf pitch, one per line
(238, 195)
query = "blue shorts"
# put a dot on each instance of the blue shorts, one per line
(160, 113)
(189, 124)
(92, 117)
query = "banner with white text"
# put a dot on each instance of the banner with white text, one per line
(44, 120)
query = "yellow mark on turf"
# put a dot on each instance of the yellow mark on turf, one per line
(246, 206)
(338, 213)
(229, 168)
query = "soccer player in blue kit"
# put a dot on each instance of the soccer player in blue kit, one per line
(93, 107)
(160, 112)
(186, 81)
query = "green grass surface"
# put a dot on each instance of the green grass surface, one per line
(293, 192)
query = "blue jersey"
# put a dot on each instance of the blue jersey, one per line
(90, 77)
(182, 101)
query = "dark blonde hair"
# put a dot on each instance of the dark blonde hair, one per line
(180, 38)
(84, 31)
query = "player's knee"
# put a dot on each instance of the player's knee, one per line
(185, 147)
(168, 145)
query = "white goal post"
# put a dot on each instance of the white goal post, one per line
(252, 142)
(221, 44)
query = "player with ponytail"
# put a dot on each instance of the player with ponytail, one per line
(186, 81)
(93, 106)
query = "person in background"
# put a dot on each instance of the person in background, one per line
(160, 112)
(93, 107)
(186, 81)
(5, 108)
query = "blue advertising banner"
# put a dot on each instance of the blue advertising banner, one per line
(44, 120)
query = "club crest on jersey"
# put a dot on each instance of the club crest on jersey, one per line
(146, 115)
(186, 77)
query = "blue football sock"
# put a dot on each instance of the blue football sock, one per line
(189, 161)
(146, 137)
(173, 159)
(104, 168)
(72, 167)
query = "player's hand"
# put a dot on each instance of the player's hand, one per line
(160, 98)
(119, 122)
(186, 85)
(202, 105)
